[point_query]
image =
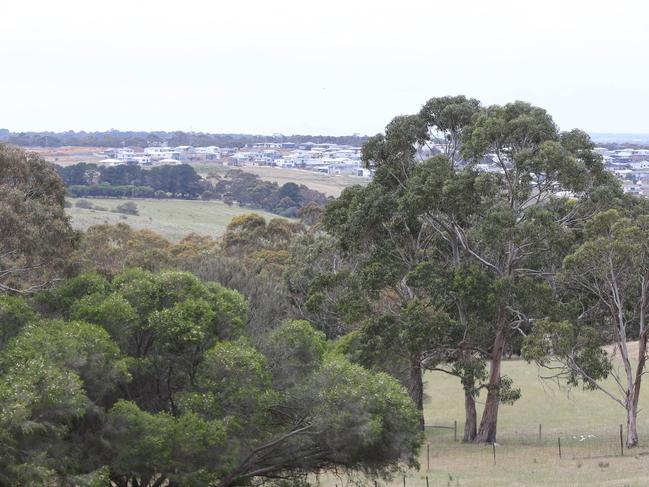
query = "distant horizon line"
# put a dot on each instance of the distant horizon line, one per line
(594, 134)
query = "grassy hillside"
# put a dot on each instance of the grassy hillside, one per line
(329, 185)
(172, 218)
(521, 459)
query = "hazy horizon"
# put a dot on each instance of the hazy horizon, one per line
(346, 67)
(604, 137)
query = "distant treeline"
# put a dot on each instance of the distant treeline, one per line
(116, 138)
(622, 145)
(181, 181)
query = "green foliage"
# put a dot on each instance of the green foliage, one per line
(359, 413)
(131, 181)
(250, 191)
(15, 313)
(579, 348)
(323, 286)
(435, 237)
(63, 296)
(294, 350)
(153, 380)
(128, 208)
(36, 234)
(38, 402)
(149, 444)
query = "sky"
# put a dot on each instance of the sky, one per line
(333, 67)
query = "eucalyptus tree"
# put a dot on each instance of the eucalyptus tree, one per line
(606, 283)
(36, 235)
(514, 222)
(382, 227)
(544, 180)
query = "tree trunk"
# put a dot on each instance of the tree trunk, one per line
(632, 404)
(631, 426)
(470, 419)
(416, 388)
(489, 421)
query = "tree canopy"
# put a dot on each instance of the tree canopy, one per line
(36, 234)
(468, 253)
(150, 379)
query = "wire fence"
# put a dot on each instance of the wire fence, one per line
(565, 442)
(520, 453)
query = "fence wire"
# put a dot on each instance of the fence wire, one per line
(563, 442)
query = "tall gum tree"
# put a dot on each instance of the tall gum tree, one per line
(384, 228)
(543, 179)
(515, 222)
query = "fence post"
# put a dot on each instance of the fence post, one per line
(376, 483)
(559, 442)
(427, 456)
(540, 434)
(493, 446)
(404, 481)
(426, 480)
(455, 430)
(621, 442)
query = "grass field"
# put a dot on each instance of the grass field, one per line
(172, 218)
(521, 459)
(329, 185)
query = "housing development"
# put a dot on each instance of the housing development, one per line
(327, 158)
(631, 165)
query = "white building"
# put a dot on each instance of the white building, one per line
(209, 153)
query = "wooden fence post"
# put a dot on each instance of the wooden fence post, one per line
(621, 442)
(559, 442)
(426, 480)
(404, 481)
(427, 456)
(493, 446)
(540, 434)
(455, 430)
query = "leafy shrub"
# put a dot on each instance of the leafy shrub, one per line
(128, 208)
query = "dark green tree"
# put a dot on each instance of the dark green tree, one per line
(36, 234)
(149, 379)
(512, 224)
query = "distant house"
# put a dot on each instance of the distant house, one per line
(209, 153)
(639, 164)
(185, 152)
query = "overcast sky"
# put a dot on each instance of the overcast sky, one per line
(326, 67)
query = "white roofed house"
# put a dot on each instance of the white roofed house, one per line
(127, 154)
(271, 154)
(240, 158)
(185, 152)
(160, 153)
(284, 162)
(209, 153)
(343, 165)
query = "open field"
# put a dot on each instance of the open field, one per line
(172, 218)
(521, 459)
(329, 185)
(69, 155)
